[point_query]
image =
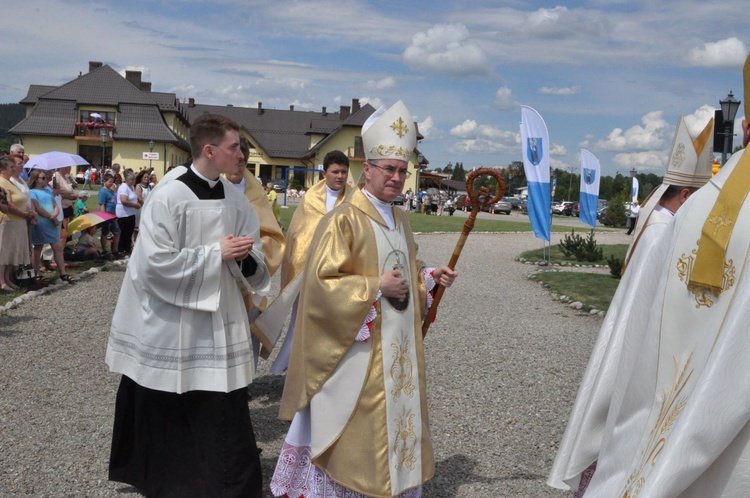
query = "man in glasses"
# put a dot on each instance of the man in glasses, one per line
(355, 388)
(180, 334)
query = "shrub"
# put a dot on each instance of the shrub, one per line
(615, 266)
(581, 249)
(616, 215)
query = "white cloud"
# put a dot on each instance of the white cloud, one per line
(649, 161)
(551, 90)
(697, 121)
(558, 150)
(465, 129)
(427, 128)
(504, 99)
(729, 53)
(446, 48)
(650, 136)
(483, 138)
(381, 84)
(373, 101)
(561, 22)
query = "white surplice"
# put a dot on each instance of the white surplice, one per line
(626, 318)
(678, 422)
(180, 322)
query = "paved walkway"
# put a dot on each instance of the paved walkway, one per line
(504, 362)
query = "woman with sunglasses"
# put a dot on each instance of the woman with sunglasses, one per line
(46, 230)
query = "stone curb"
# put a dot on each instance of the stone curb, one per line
(59, 285)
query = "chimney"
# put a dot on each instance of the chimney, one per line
(134, 77)
(291, 107)
(325, 113)
(355, 105)
(191, 102)
(260, 108)
(94, 65)
(344, 112)
(146, 86)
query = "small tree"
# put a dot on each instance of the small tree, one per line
(616, 215)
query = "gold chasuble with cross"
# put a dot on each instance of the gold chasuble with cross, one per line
(366, 400)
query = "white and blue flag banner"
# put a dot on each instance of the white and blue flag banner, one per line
(635, 190)
(535, 151)
(589, 199)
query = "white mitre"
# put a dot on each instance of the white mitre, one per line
(390, 134)
(691, 161)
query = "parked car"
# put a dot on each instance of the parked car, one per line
(278, 185)
(569, 208)
(560, 208)
(515, 202)
(500, 206)
(577, 210)
(555, 205)
(399, 200)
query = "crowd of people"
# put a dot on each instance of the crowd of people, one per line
(37, 206)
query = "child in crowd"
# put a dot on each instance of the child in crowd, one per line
(86, 247)
(80, 205)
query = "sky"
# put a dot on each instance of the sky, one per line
(610, 76)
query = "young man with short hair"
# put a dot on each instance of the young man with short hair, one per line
(180, 334)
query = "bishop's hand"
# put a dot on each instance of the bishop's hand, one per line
(392, 284)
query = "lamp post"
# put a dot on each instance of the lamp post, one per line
(103, 136)
(729, 107)
(150, 150)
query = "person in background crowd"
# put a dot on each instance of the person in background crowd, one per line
(62, 185)
(108, 204)
(272, 199)
(46, 230)
(86, 246)
(87, 178)
(14, 238)
(127, 206)
(142, 189)
(116, 174)
(18, 150)
(80, 206)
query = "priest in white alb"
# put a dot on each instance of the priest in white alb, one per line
(355, 388)
(180, 334)
(322, 197)
(688, 169)
(679, 423)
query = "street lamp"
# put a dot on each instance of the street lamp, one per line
(150, 150)
(103, 136)
(729, 107)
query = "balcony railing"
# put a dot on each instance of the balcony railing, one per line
(93, 129)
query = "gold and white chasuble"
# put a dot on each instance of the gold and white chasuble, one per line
(299, 236)
(359, 405)
(679, 422)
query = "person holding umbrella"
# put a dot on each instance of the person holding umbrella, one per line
(46, 230)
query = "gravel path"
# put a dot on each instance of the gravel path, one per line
(504, 362)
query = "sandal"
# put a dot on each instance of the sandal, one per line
(68, 278)
(40, 282)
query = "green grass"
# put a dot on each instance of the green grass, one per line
(556, 255)
(592, 289)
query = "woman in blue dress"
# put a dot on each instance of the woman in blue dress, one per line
(46, 229)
